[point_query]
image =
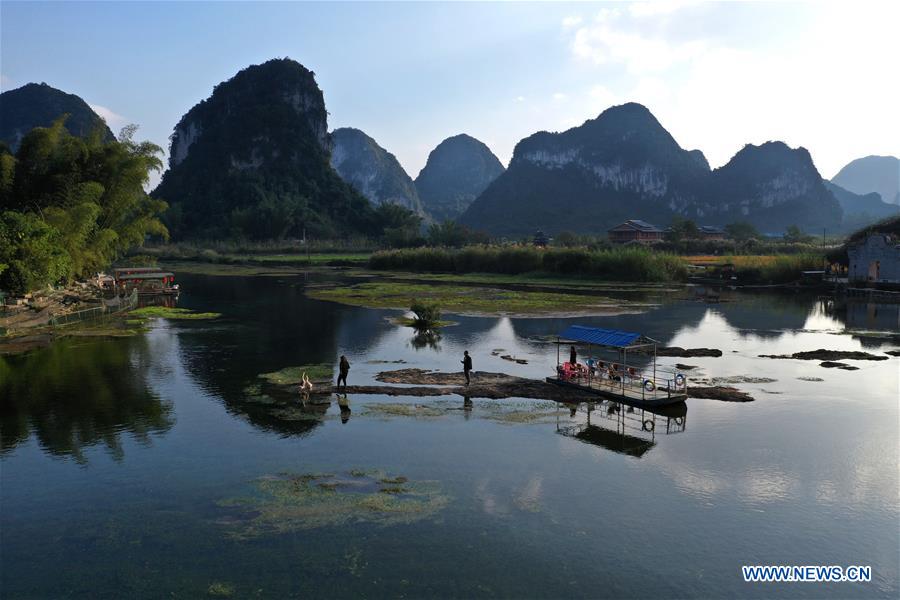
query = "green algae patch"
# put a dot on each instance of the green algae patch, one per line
(288, 502)
(473, 300)
(293, 375)
(387, 410)
(410, 322)
(165, 312)
(219, 589)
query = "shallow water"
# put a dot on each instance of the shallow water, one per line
(121, 459)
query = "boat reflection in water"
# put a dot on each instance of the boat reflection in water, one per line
(621, 428)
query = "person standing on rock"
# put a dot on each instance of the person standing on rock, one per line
(467, 365)
(343, 369)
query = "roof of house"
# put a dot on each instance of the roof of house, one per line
(711, 230)
(637, 225)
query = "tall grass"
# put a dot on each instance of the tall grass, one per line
(617, 264)
(774, 269)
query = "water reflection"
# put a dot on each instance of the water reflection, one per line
(75, 394)
(620, 428)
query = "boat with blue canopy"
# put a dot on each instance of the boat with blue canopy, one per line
(642, 383)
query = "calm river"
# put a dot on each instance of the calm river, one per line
(153, 466)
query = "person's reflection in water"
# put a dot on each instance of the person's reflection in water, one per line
(467, 407)
(344, 404)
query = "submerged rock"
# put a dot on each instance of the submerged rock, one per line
(828, 355)
(688, 352)
(810, 379)
(828, 364)
(726, 394)
(683, 367)
(286, 502)
(893, 352)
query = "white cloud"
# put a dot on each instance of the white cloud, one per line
(658, 7)
(519, 99)
(572, 21)
(6, 83)
(828, 86)
(112, 118)
(559, 96)
(614, 38)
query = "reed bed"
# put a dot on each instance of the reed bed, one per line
(617, 264)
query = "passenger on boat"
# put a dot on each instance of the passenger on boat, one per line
(614, 372)
(573, 356)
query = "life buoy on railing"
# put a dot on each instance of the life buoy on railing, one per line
(648, 425)
(649, 385)
(679, 380)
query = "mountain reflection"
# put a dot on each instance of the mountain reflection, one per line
(76, 394)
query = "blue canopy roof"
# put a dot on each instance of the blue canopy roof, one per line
(600, 337)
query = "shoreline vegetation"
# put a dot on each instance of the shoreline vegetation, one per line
(503, 264)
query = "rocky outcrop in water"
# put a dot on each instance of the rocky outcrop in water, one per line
(39, 105)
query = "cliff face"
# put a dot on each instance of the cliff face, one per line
(625, 165)
(619, 166)
(457, 171)
(39, 105)
(372, 170)
(773, 186)
(253, 160)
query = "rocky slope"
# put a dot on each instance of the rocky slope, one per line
(880, 174)
(457, 171)
(38, 105)
(861, 209)
(625, 165)
(372, 170)
(253, 160)
(772, 186)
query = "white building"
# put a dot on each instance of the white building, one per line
(875, 260)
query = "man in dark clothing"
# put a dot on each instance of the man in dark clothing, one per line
(573, 358)
(467, 365)
(344, 369)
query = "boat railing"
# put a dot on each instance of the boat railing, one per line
(647, 384)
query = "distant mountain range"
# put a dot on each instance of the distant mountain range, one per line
(625, 165)
(372, 170)
(254, 159)
(861, 209)
(457, 171)
(38, 105)
(879, 174)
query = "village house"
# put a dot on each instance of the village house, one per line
(635, 231)
(708, 232)
(875, 260)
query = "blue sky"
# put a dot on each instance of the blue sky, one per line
(717, 75)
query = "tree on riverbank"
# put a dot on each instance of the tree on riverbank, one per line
(71, 206)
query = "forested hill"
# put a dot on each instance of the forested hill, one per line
(625, 165)
(372, 170)
(253, 160)
(39, 105)
(457, 171)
